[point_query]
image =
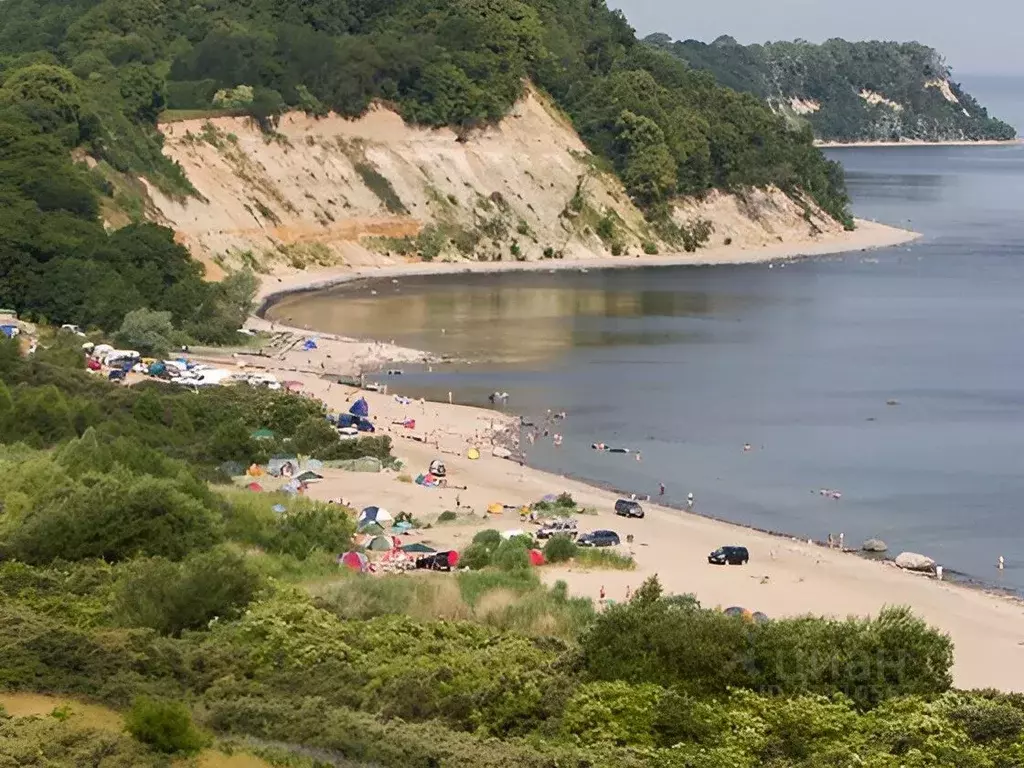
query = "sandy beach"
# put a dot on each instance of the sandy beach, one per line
(868, 235)
(785, 576)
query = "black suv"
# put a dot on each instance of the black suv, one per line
(729, 556)
(598, 539)
(627, 508)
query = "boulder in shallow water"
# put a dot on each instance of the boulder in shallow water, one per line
(874, 545)
(911, 561)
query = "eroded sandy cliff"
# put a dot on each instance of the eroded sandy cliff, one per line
(331, 192)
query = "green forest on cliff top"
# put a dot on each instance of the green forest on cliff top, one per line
(834, 74)
(98, 75)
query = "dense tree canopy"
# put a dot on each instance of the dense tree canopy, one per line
(103, 71)
(835, 74)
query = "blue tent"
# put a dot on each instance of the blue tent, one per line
(309, 344)
(10, 331)
(360, 407)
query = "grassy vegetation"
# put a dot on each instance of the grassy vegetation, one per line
(180, 115)
(381, 187)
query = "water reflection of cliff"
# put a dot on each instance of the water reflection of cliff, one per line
(498, 320)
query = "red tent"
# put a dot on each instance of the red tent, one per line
(355, 560)
(453, 559)
(536, 557)
(254, 487)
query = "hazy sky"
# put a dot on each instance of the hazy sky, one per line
(975, 36)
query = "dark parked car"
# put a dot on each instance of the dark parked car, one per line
(729, 556)
(598, 539)
(627, 508)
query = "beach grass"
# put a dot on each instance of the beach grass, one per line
(604, 558)
(508, 601)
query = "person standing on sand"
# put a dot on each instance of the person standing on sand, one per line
(689, 500)
(601, 593)
(661, 489)
(629, 593)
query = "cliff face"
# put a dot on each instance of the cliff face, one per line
(333, 192)
(865, 91)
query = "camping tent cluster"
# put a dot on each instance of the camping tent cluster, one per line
(379, 532)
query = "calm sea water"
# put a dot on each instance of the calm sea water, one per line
(688, 364)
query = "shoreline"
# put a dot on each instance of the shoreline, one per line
(869, 235)
(919, 143)
(787, 575)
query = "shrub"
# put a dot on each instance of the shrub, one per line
(984, 720)
(308, 527)
(147, 331)
(475, 557)
(114, 516)
(447, 516)
(559, 549)
(489, 538)
(650, 248)
(705, 652)
(314, 436)
(166, 726)
(511, 555)
(172, 597)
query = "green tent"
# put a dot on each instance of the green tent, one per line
(379, 544)
(373, 529)
(418, 547)
(262, 434)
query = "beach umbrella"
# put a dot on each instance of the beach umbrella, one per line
(418, 547)
(355, 560)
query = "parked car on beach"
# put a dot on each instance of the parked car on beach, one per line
(598, 539)
(729, 556)
(560, 527)
(628, 508)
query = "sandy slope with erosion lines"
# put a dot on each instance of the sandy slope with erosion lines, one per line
(318, 194)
